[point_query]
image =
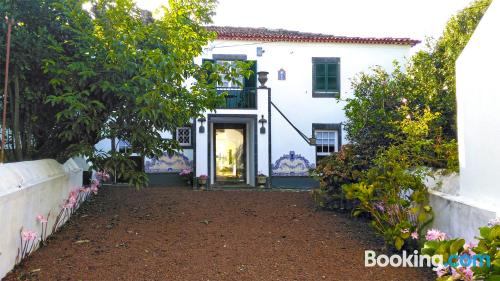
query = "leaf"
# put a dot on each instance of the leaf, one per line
(82, 241)
(205, 221)
(398, 243)
(485, 232)
(456, 246)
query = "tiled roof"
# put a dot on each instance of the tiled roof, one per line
(282, 35)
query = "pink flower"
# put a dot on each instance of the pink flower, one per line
(469, 273)
(95, 182)
(441, 270)
(434, 234)
(414, 235)
(469, 246)
(73, 195)
(494, 222)
(102, 175)
(404, 100)
(460, 271)
(94, 189)
(41, 219)
(185, 172)
(28, 235)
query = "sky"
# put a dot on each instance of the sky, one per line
(416, 19)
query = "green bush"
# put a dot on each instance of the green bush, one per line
(395, 198)
(343, 167)
(489, 245)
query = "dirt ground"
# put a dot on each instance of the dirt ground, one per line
(179, 234)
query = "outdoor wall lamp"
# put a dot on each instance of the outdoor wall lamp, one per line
(202, 128)
(262, 121)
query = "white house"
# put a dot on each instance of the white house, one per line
(270, 129)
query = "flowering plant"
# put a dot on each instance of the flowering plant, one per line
(203, 177)
(476, 266)
(103, 176)
(43, 221)
(261, 174)
(29, 242)
(186, 172)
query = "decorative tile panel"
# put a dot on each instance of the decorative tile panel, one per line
(292, 165)
(168, 163)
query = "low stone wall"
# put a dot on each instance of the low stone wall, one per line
(28, 189)
(456, 214)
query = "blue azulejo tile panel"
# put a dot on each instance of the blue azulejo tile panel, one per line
(168, 163)
(292, 165)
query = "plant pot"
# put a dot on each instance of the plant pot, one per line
(202, 183)
(262, 77)
(261, 180)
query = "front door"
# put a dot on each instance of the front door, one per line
(230, 154)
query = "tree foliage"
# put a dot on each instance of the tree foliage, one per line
(426, 83)
(433, 69)
(115, 72)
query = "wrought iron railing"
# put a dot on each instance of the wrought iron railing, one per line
(238, 97)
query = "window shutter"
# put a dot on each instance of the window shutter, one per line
(313, 76)
(251, 82)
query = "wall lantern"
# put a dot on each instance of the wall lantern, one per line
(262, 121)
(202, 128)
(260, 51)
(312, 141)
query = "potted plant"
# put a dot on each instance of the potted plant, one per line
(187, 174)
(202, 181)
(261, 179)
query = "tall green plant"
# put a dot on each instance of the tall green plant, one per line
(392, 191)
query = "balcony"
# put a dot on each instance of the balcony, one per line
(238, 98)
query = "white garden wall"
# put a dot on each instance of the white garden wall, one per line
(455, 214)
(28, 189)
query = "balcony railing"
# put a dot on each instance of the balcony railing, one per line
(238, 97)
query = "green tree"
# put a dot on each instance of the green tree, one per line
(433, 69)
(30, 120)
(115, 72)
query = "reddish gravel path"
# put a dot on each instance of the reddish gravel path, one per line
(179, 234)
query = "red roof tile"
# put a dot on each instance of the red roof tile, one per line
(282, 35)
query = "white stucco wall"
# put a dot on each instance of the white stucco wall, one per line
(28, 189)
(294, 95)
(478, 104)
(455, 214)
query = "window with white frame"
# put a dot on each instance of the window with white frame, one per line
(326, 142)
(183, 136)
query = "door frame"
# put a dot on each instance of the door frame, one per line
(252, 134)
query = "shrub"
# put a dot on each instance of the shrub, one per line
(395, 198)
(341, 168)
(480, 268)
(392, 190)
